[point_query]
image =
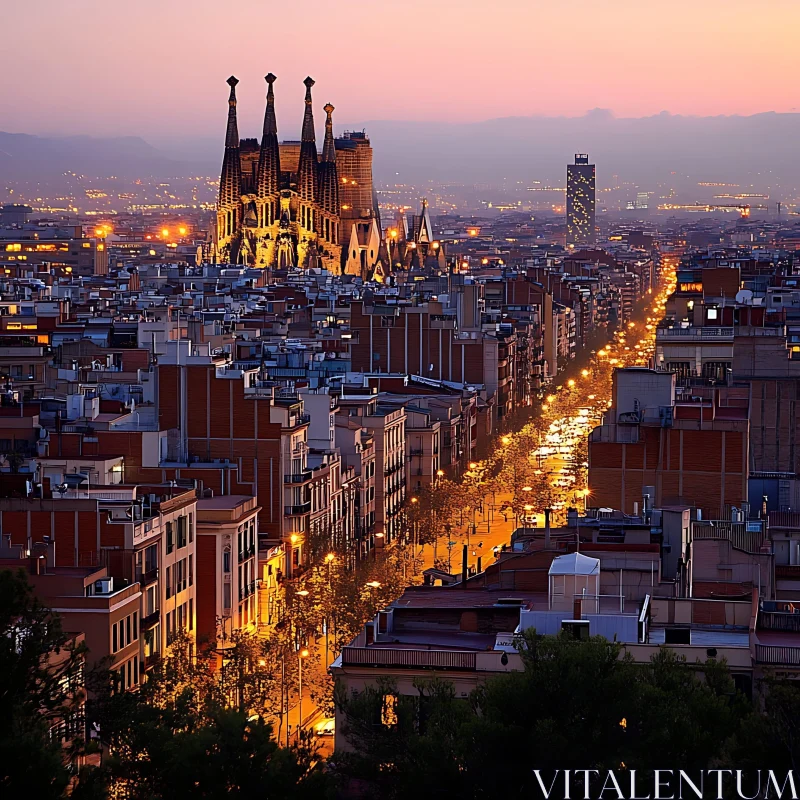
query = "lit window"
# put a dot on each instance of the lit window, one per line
(712, 313)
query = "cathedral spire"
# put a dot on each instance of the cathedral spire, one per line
(308, 118)
(270, 124)
(329, 149)
(307, 167)
(328, 174)
(269, 162)
(231, 177)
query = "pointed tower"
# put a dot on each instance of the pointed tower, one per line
(269, 159)
(307, 167)
(328, 174)
(230, 182)
(231, 178)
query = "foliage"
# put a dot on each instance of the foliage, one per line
(42, 673)
(193, 732)
(574, 705)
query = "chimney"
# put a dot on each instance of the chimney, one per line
(464, 569)
(547, 529)
(576, 609)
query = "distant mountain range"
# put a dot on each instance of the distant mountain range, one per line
(642, 150)
(762, 150)
(26, 157)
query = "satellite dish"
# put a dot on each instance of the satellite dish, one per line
(744, 296)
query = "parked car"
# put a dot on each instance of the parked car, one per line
(325, 727)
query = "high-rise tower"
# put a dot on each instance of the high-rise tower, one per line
(580, 202)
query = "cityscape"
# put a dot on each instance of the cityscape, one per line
(363, 460)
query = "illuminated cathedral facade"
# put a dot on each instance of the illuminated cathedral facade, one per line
(278, 215)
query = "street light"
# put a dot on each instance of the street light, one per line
(300, 656)
(374, 584)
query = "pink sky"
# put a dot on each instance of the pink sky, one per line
(153, 66)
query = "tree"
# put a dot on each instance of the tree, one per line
(574, 705)
(42, 686)
(188, 733)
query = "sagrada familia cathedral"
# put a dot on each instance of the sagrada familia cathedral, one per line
(283, 205)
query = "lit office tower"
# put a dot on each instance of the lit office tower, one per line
(580, 201)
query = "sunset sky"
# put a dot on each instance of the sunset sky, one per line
(158, 67)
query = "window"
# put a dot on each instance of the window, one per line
(114, 642)
(712, 313)
(128, 637)
(226, 595)
(226, 561)
(135, 625)
(191, 527)
(169, 582)
(182, 538)
(191, 570)
(170, 538)
(191, 614)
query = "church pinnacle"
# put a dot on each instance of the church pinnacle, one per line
(269, 160)
(307, 167)
(230, 179)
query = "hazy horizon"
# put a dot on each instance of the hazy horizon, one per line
(159, 70)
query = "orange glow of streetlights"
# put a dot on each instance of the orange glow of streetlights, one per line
(165, 232)
(440, 472)
(182, 231)
(304, 653)
(527, 488)
(473, 465)
(303, 593)
(570, 383)
(415, 500)
(585, 373)
(506, 440)
(330, 557)
(374, 584)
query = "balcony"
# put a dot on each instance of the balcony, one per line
(779, 621)
(298, 477)
(295, 511)
(716, 334)
(146, 578)
(246, 591)
(408, 659)
(778, 655)
(150, 621)
(248, 552)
